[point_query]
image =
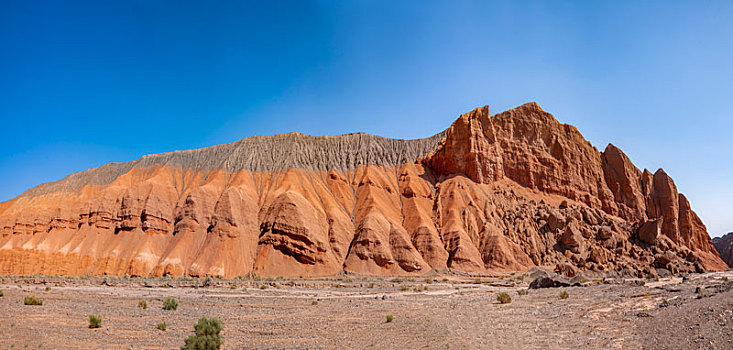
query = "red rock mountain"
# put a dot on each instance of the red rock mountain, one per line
(491, 193)
(724, 246)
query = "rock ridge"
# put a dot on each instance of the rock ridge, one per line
(506, 192)
(264, 153)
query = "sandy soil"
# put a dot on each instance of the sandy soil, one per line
(454, 312)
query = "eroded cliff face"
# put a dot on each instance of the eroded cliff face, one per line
(492, 193)
(529, 147)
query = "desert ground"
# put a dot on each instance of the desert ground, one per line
(350, 312)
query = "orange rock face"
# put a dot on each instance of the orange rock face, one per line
(491, 193)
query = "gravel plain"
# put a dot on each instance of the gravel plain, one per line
(437, 312)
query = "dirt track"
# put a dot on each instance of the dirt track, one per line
(350, 313)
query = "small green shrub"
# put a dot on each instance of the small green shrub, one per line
(371, 285)
(32, 301)
(428, 280)
(264, 286)
(170, 304)
(623, 295)
(563, 295)
(162, 326)
(503, 298)
(1, 293)
(390, 318)
(95, 321)
(207, 335)
(48, 288)
(142, 304)
(404, 288)
(523, 291)
(314, 302)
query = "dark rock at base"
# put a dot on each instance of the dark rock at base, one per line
(554, 282)
(662, 272)
(537, 272)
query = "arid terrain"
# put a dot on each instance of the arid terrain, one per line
(437, 312)
(197, 175)
(358, 241)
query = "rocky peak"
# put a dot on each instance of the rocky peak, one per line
(624, 181)
(528, 146)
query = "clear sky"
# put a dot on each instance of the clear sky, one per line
(83, 83)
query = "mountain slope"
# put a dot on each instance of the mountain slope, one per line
(503, 192)
(724, 246)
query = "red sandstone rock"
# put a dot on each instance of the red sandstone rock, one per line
(572, 238)
(650, 231)
(491, 193)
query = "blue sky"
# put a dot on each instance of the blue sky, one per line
(83, 83)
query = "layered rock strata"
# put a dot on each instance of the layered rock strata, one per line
(491, 193)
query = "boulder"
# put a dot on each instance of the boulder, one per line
(555, 220)
(650, 231)
(554, 282)
(598, 255)
(537, 272)
(566, 269)
(605, 232)
(591, 216)
(662, 259)
(572, 238)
